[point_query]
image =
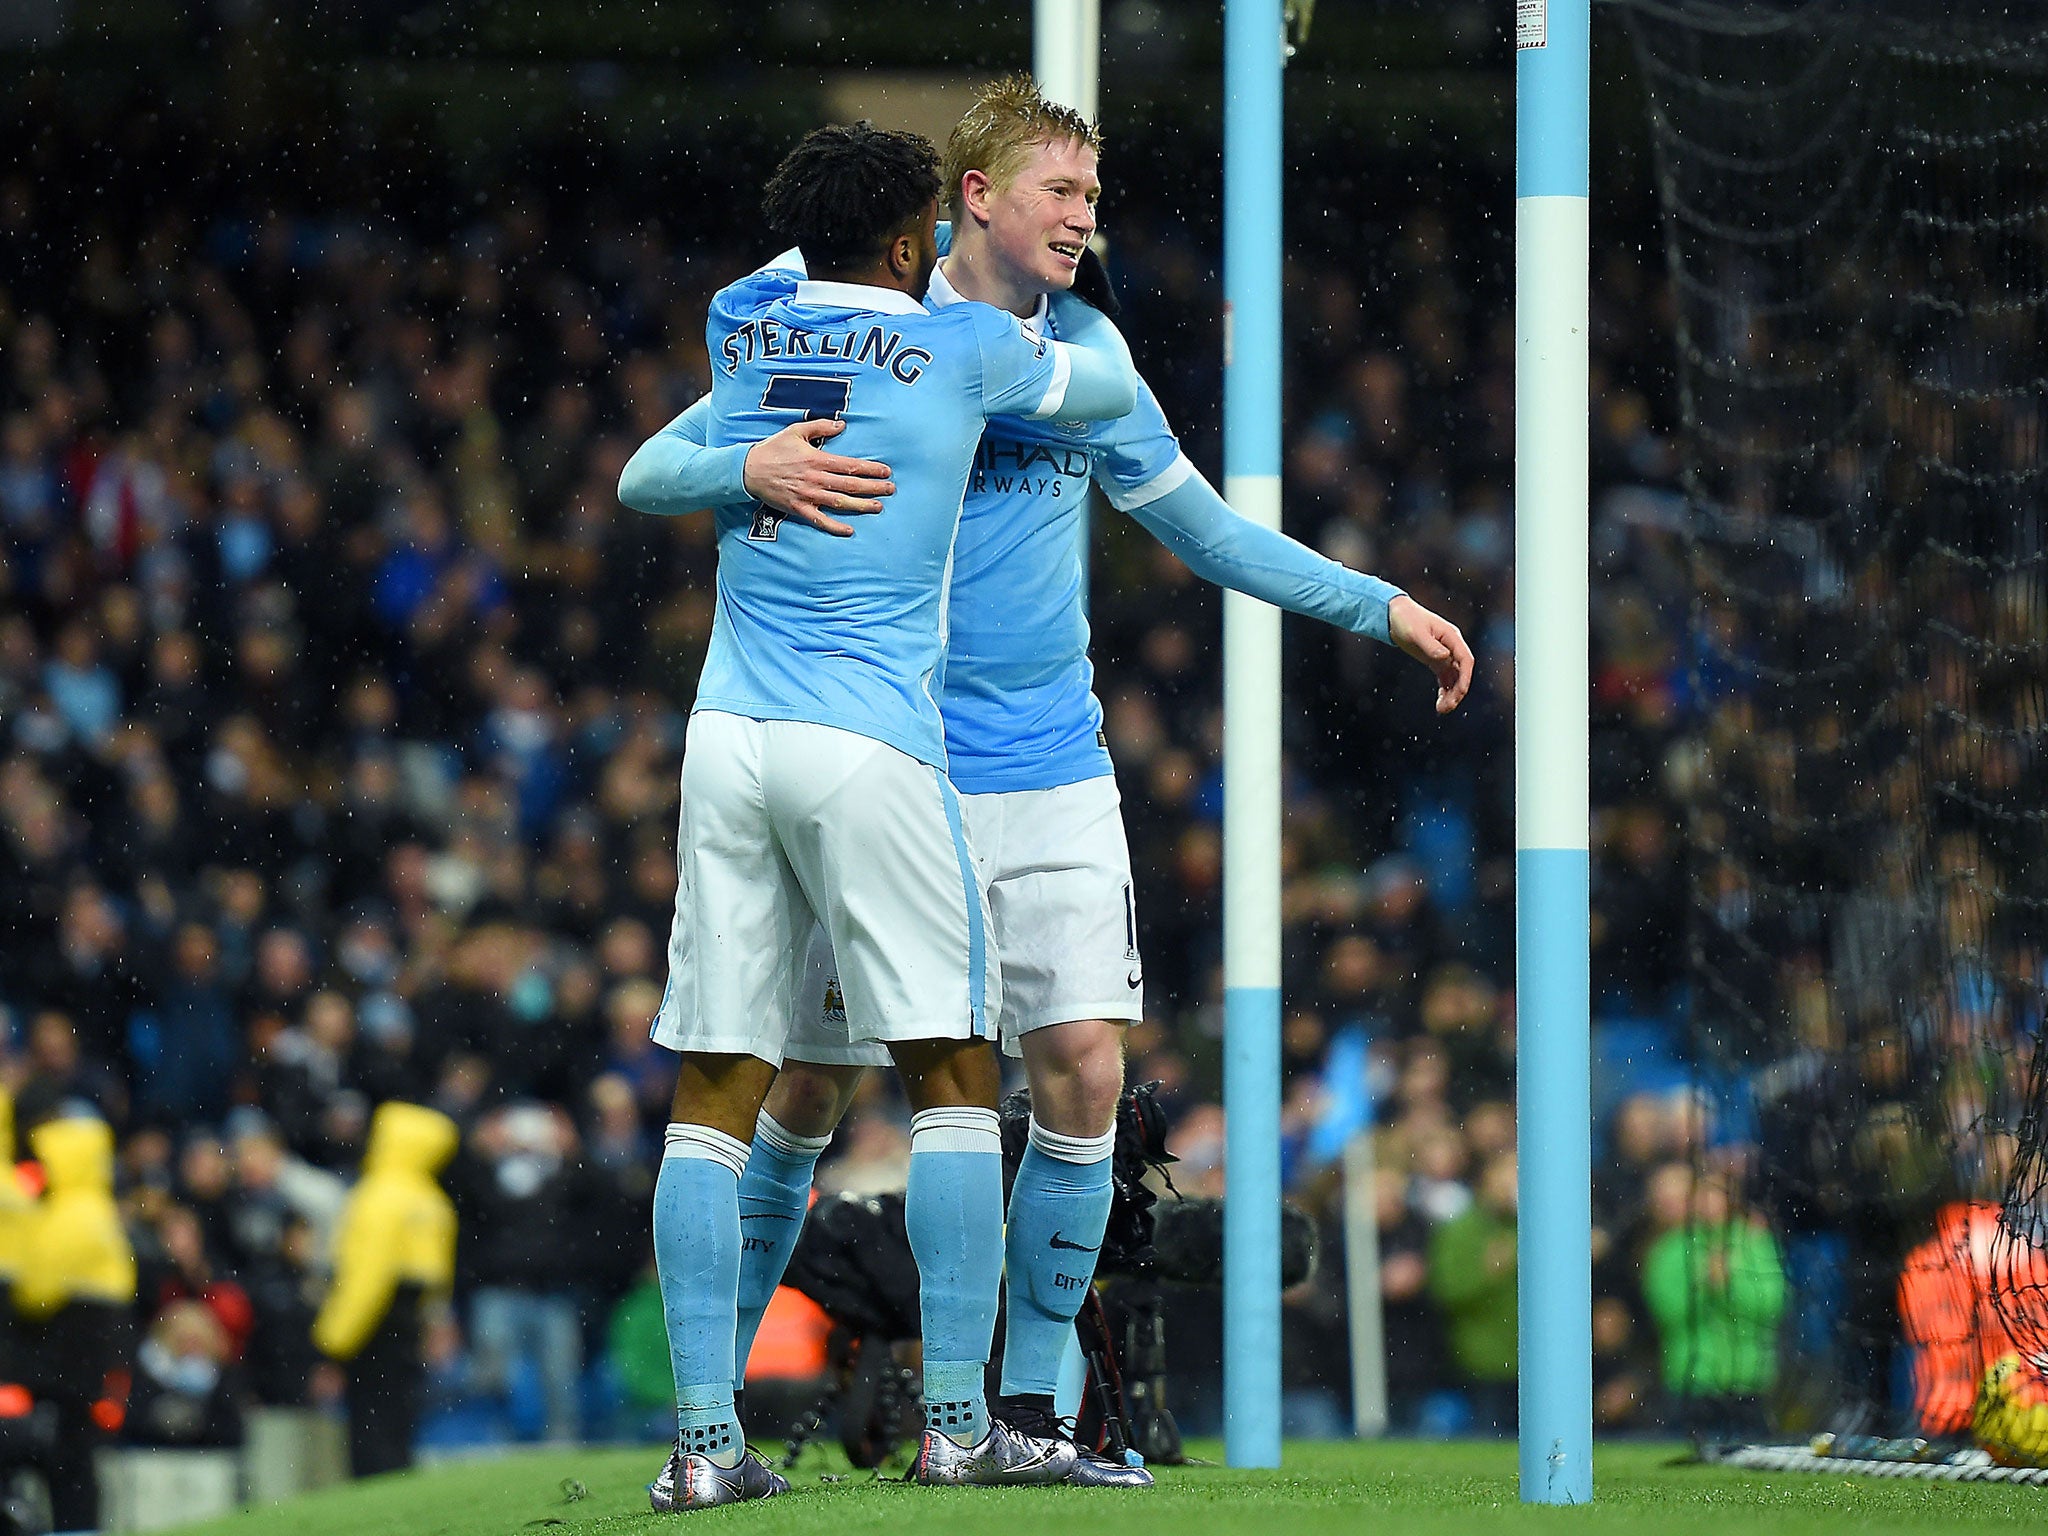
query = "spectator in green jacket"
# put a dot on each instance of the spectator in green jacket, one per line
(1472, 1279)
(1716, 1287)
(637, 1342)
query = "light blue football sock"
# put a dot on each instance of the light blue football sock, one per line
(1059, 1207)
(953, 1209)
(697, 1255)
(775, 1192)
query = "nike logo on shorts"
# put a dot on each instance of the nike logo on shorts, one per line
(1059, 1242)
(1135, 978)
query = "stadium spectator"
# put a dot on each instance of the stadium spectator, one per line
(74, 1298)
(185, 1047)
(1408, 1317)
(89, 975)
(17, 1197)
(531, 1215)
(183, 1394)
(1716, 1287)
(1623, 1380)
(1315, 1362)
(396, 1254)
(62, 1080)
(175, 1264)
(636, 1343)
(1472, 1275)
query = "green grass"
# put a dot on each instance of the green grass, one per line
(1368, 1489)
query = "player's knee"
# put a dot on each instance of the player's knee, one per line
(1102, 1077)
(948, 1074)
(1077, 1075)
(808, 1100)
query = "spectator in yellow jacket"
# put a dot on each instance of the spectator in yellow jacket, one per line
(396, 1249)
(17, 1202)
(17, 1206)
(77, 1250)
(74, 1299)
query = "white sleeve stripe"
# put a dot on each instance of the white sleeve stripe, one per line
(1056, 391)
(1171, 478)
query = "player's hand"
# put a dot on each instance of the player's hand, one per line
(1436, 643)
(789, 473)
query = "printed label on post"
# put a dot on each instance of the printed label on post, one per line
(1532, 23)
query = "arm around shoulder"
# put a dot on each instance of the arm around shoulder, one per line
(1102, 383)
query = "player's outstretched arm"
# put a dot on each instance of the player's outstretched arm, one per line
(676, 472)
(1435, 642)
(1220, 545)
(1102, 383)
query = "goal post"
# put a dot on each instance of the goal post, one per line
(1552, 982)
(1066, 51)
(1254, 51)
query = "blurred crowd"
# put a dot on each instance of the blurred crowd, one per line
(341, 710)
(1869, 677)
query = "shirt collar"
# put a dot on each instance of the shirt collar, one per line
(942, 292)
(866, 296)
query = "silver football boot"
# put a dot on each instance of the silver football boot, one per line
(690, 1481)
(1094, 1470)
(1003, 1457)
(1091, 1468)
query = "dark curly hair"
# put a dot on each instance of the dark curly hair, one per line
(845, 191)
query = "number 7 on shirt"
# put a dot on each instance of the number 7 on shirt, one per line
(815, 399)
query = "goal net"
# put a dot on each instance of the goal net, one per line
(1855, 212)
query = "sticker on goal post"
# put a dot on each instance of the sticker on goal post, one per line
(1532, 23)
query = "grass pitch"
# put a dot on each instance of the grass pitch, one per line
(1324, 1489)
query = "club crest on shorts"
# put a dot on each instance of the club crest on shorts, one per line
(835, 1002)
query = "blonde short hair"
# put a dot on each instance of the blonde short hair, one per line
(1009, 118)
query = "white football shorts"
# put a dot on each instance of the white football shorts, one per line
(787, 825)
(1056, 868)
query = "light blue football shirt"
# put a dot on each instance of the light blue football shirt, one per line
(1018, 696)
(1016, 688)
(849, 633)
